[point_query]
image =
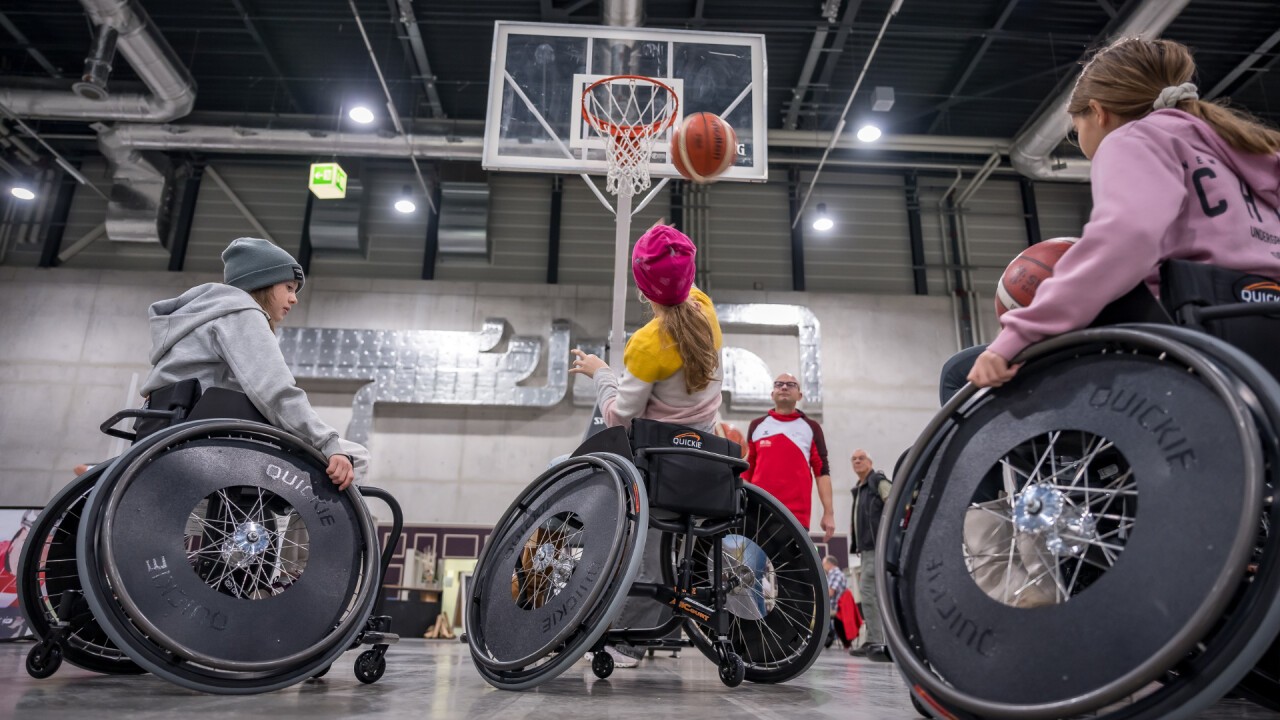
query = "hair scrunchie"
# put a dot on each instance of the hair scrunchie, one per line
(1174, 94)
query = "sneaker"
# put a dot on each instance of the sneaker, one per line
(620, 658)
(878, 653)
(860, 651)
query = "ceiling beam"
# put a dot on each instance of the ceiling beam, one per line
(832, 58)
(801, 89)
(417, 49)
(1245, 66)
(252, 29)
(975, 60)
(26, 45)
(957, 99)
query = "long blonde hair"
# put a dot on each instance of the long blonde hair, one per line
(1127, 76)
(263, 298)
(690, 329)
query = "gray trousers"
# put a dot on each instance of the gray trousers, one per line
(872, 629)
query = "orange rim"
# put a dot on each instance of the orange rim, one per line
(630, 132)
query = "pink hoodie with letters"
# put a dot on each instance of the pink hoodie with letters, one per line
(1165, 186)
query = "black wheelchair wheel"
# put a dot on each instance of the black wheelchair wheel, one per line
(555, 570)
(779, 620)
(1244, 640)
(47, 573)
(1062, 545)
(221, 557)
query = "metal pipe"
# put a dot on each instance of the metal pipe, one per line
(835, 136)
(391, 106)
(215, 139)
(235, 200)
(1032, 150)
(957, 145)
(82, 243)
(173, 89)
(978, 180)
(622, 13)
(97, 66)
(419, 51)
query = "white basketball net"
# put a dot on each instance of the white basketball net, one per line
(629, 112)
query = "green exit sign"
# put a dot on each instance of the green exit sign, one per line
(328, 181)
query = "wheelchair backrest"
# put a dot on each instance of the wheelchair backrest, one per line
(1236, 307)
(185, 402)
(688, 471)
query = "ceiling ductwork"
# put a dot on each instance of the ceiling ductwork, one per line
(1032, 151)
(138, 209)
(173, 90)
(262, 141)
(622, 13)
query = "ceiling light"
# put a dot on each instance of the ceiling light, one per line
(361, 114)
(869, 133)
(22, 193)
(823, 221)
(405, 205)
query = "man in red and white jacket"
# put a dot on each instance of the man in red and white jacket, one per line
(787, 451)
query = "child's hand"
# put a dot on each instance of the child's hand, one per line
(340, 471)
(991, 370)
(584, 364)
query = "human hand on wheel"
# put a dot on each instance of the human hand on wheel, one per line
(340, 471)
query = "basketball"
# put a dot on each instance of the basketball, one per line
(703, 147)
(1022, 278)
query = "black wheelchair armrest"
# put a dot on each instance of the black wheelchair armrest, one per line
(736, 463)
(109, 428)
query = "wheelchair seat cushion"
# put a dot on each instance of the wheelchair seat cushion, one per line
(687, 483)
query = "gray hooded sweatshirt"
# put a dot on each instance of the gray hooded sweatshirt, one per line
(219, 335)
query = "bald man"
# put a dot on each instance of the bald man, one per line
(787, 453)
(870, 491)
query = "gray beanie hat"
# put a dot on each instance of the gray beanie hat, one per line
(251, 263)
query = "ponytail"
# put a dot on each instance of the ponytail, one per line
(690, 329)
(1128, 77)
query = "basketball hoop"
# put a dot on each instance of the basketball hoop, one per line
(629, 112)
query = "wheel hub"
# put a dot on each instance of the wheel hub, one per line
(247, 543)
(1046, 511)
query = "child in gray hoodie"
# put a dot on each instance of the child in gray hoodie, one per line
(224, 336)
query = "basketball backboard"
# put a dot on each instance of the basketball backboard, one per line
(534, 121)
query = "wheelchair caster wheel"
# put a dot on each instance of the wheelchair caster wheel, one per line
(43, 660)
(602, 664)
(324, 671)
(370, 666)
(733, 670)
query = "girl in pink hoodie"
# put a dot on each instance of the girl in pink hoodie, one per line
(1173, 177)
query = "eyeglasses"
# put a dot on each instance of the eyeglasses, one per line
(784, 384)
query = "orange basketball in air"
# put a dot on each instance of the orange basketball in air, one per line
(1022, 278)
(703, 147)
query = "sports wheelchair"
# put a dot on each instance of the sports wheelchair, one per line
(739, 573)
(1095, 537)
(214, 553)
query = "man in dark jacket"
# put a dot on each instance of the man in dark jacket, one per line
(869, 493)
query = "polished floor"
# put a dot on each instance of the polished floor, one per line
(430, 679)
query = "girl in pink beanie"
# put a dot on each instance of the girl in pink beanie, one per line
(670, 373)
(671, 366)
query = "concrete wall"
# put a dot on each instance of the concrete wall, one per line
(71, 341)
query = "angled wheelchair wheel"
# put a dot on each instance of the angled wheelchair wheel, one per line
(556, 570)
(1067, 545)
(219, 556)
(1244, 640)
(779, 610)
(51, 593)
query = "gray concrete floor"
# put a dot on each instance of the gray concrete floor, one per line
(435, 679)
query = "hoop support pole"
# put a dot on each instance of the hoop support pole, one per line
(621, 253)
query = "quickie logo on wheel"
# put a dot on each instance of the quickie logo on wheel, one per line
(689, 439)
(1264, 291)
